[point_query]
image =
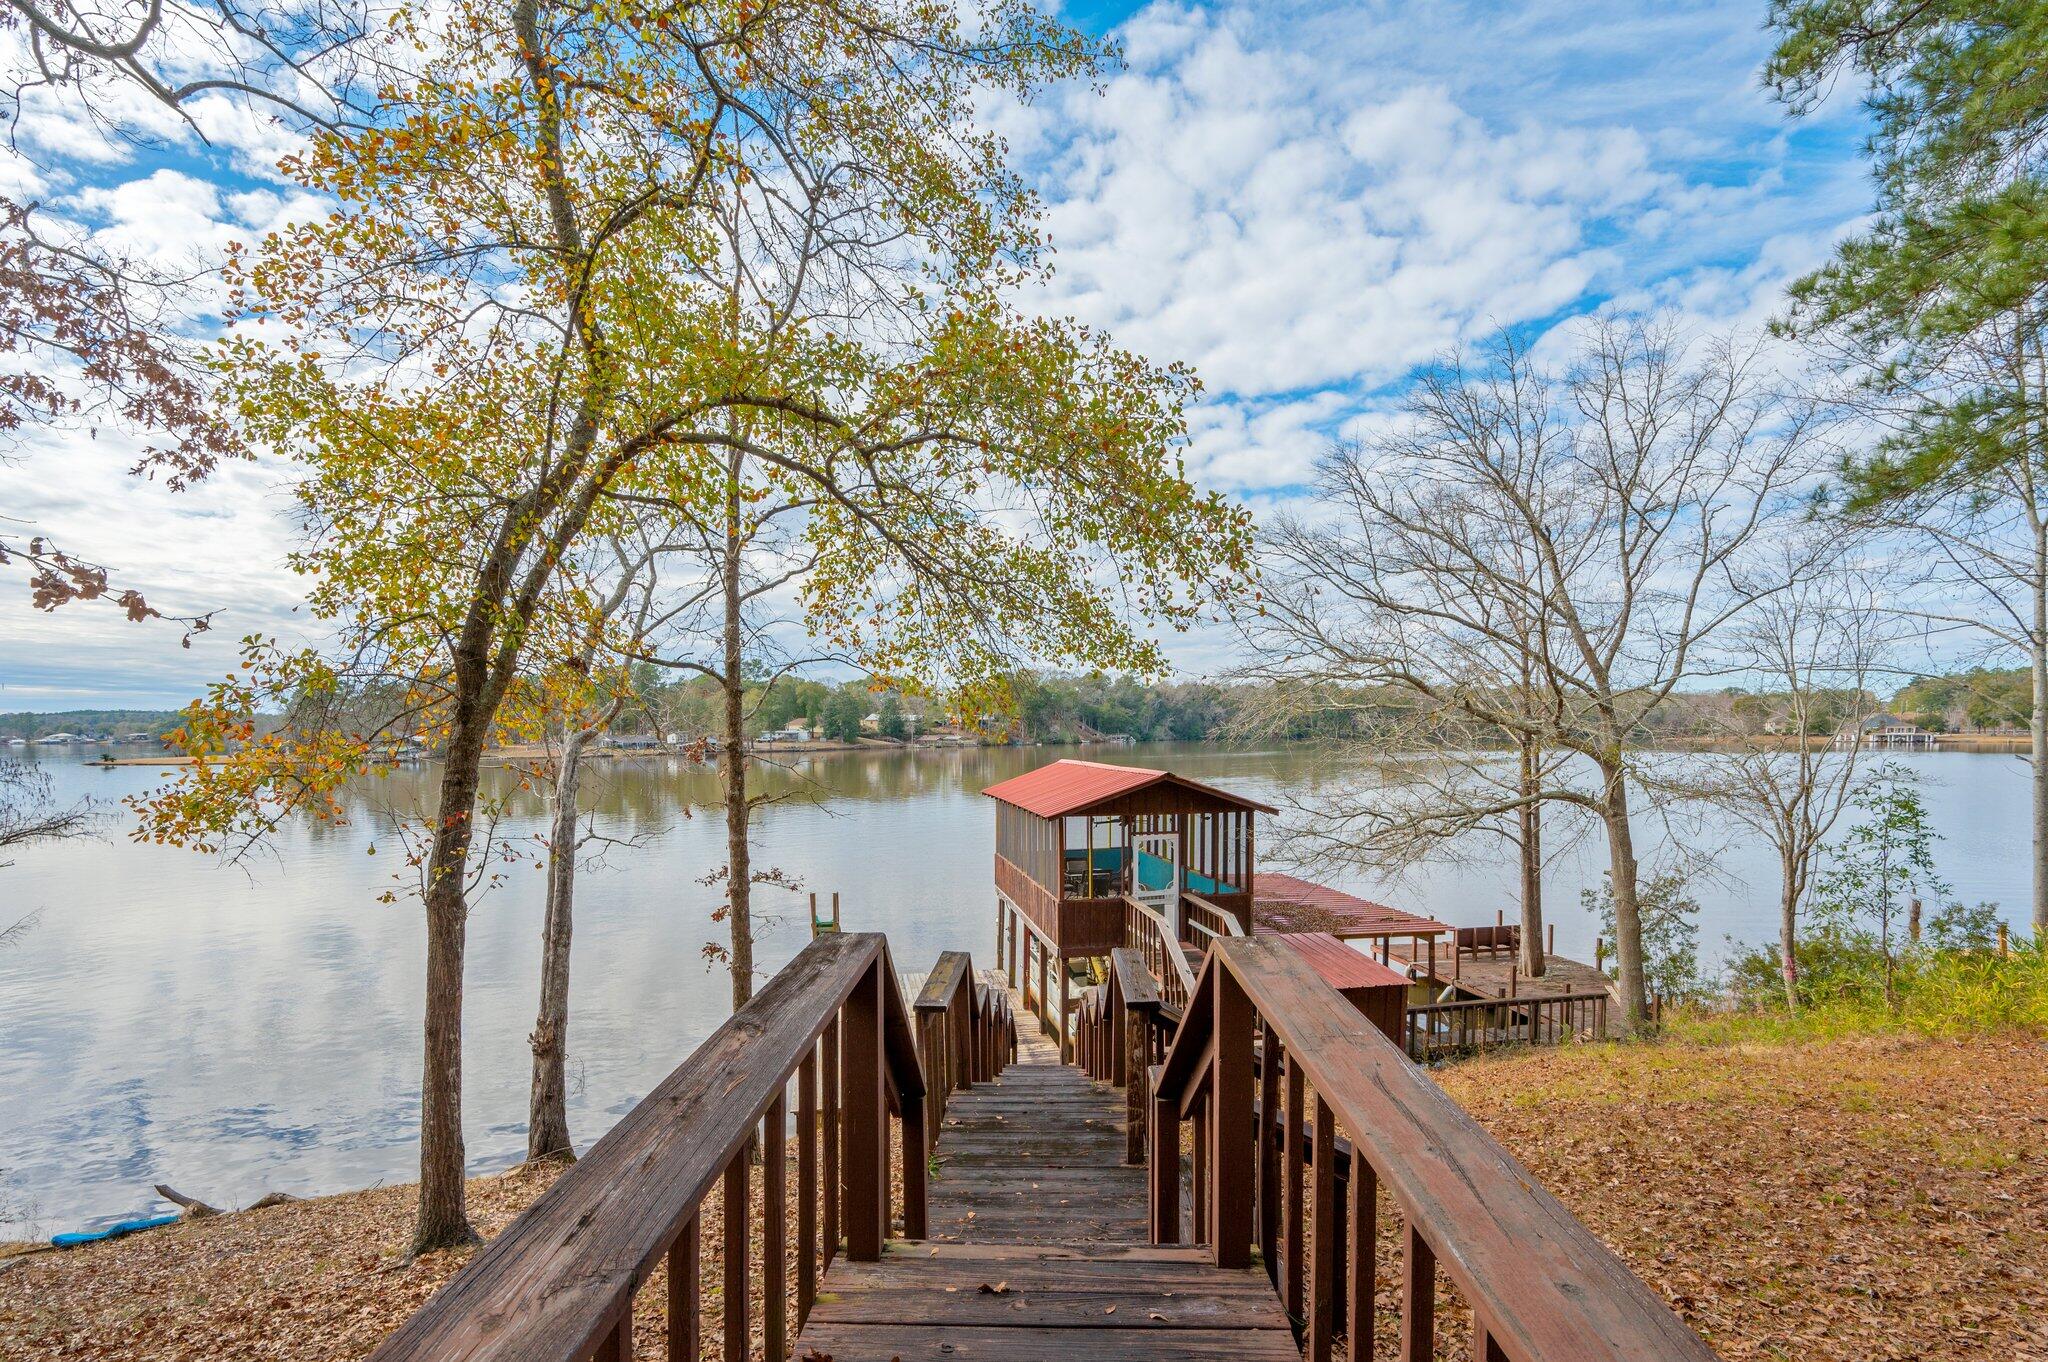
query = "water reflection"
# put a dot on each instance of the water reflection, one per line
(233, 1031)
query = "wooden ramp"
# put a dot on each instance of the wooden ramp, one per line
(1038, 1247)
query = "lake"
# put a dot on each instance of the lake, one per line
(234, 1030)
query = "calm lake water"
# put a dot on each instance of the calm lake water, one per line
(235, 1030)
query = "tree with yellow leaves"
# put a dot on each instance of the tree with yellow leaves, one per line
(500, 347)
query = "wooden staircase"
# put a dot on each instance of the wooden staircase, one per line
(1038, 1247)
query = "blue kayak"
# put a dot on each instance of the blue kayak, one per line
(78, 1237)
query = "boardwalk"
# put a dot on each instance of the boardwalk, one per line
(1038, 1247)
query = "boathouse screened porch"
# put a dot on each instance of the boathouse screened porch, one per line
(1075, 839)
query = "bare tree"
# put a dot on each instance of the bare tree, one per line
(1592, 533)
(30, 813)
(1813, 649)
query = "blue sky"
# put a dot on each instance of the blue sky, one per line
(1306, 201)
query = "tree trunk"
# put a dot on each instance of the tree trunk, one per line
(1788, 928)
(547, 1118)
(1534, 958)
(2038, 730)
(443, 1207)
(733, 762)
(1628, 921)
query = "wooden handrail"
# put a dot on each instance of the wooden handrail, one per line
(1541, 1287)
(964, 1032)
(1230, 927)
(1155, 938)
(1122, 1033)
(558, 1284)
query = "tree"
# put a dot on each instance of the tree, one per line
(1030, 504)
(516, 337)
(585, 692)
(1815, 645)
(842, 716)
(1886, 859)
(1938, 308)
(29, 813)
(890, 721)
(98, 339)
(1592, 534)
(1670, 931)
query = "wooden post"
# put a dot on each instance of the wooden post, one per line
(1066, 1017)
(774, 1226)
(738, 1179)
(683, 1322)
(1551, 947)
(1230, 1093)
(806, 1187)
(828, 1138)
(1269, 1154)
(2004, 941)
(864, 1149)
(1364, 1254)
(1913, 919)
(916, 1153)
(1135, 1103)
(1044, 1008)
(1418, 1299)
(1162, 1171)
(1322, 1293)
(1290, 1186)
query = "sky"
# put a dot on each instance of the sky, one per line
(1304, 201)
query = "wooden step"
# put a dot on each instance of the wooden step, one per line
(981, 1301)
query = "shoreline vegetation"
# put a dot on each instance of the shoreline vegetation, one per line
(1730, 1173)
(1976, 710)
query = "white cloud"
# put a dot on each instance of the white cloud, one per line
(1303, 200)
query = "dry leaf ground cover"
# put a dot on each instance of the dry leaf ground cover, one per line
(1870, 1199)
(1861, 1200)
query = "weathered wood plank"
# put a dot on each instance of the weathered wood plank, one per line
(887, 1342)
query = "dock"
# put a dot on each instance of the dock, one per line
(1499, 975)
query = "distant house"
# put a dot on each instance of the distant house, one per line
(794, 731)
(871, 723)
(1887, 732)
(59, 739)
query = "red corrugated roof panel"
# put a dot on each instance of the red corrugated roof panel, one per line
(1069, 786)
(1341, 967)
(1285, 903)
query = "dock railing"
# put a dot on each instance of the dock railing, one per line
(1541, 1288)
(1468, 1024)
(1157, 945)
(965, 1033)
(1123, 1034)
(559, 1284)
(1207, 919)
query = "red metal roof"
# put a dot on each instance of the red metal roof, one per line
(1069, 786)
(1287, 904)
(1341, 967)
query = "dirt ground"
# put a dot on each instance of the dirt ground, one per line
(1863, 1200)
